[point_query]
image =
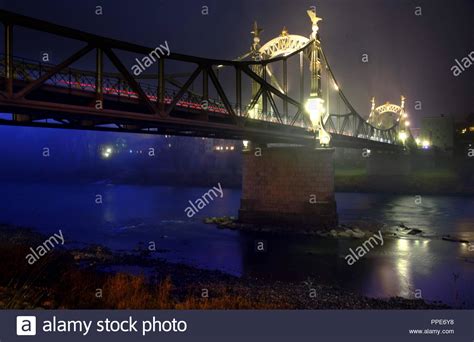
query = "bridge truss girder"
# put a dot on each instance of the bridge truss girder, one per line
(59, 96)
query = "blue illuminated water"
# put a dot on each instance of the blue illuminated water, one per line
(132, 216)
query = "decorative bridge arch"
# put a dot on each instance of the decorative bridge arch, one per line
(283, 45)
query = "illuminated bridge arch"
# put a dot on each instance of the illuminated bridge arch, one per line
(283, 45)
(388, 115)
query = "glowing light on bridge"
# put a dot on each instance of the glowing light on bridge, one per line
(315, 108)
(403, 136)
(425, 144)
(107, 152)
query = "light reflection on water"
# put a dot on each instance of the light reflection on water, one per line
(131, 216)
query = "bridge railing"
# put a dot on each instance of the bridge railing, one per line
(28, 70)
(351, 124)
(229, 102)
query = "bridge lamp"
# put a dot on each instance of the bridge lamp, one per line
(315, 108)
(324, 138)
(402, 136)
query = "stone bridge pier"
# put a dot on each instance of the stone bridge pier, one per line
(290, 187)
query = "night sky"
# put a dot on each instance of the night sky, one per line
(408, 54)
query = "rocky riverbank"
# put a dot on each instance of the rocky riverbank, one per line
(358, 230)
(97, 278)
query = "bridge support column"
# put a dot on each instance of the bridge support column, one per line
(289, 187)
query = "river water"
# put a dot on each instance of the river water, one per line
(131, 216)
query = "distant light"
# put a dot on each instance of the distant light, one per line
(169, 145)
(106, 152)
(336, 86)
(426, 144)
(407, 123)
(245, 143)
(232, 148)
(418, 141)
(131, 151)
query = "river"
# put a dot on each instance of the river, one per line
(131, 216)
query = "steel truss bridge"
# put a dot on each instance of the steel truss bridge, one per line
(204, 104)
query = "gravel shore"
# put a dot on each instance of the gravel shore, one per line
(67, 278)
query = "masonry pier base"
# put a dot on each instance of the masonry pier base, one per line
(290, 186)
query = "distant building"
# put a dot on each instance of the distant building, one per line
(466, 126)
(439, 131)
